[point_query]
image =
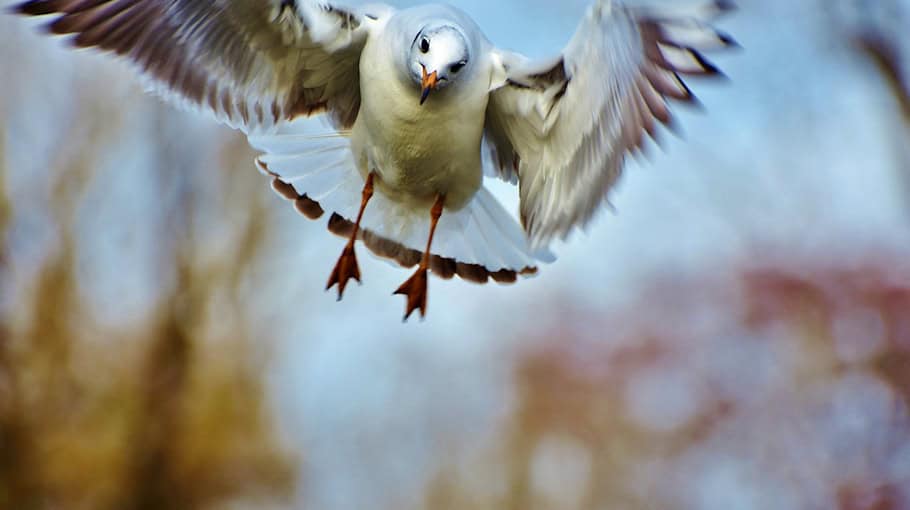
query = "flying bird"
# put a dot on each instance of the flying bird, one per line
(421, 105)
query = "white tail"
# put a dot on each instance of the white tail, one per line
(477, 242)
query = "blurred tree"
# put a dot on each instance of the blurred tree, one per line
(783, 383)
(168, 412)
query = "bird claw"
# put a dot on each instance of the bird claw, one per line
(415, 291)
(345, 269)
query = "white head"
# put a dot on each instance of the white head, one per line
(439, 54)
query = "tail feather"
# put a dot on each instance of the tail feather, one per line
(487, 229)
(504, 245)
(480, 241)
(452, 237)
(508, 229)
(480, 245)
(291, 144)
(317, 181)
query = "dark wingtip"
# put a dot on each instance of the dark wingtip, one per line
(690, 98)
(729, 41)
(31, 8)
(17, 9)
(708, 68)
(61, 26)
(725, 5)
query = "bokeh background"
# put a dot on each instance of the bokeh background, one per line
(735, 336)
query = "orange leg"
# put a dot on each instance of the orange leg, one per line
(346, 267)
(415, 288)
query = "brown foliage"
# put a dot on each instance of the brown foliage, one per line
(167, 413)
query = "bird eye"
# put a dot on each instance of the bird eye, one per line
(424, 45)
(458, 66)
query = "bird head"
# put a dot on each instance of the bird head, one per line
(438, 56)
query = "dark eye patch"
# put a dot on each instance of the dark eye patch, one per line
(458, 66)
(424, 45)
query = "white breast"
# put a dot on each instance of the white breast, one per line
(419, 151)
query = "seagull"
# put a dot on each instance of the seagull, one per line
(421, 106)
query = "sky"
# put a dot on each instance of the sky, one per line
(801, 148)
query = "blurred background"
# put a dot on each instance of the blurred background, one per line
(735, 336)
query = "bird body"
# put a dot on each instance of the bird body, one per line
(418, 151)
(413, 96)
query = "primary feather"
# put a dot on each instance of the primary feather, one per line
(562, 126)
(253, 63)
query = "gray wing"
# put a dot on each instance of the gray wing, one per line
(562, 127)
(253, 63)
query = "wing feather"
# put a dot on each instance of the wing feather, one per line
(563, 126)
(253, 63)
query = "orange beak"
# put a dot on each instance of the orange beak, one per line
(427, 84)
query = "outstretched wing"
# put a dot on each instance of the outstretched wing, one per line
(562, 127)
(253, 63)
